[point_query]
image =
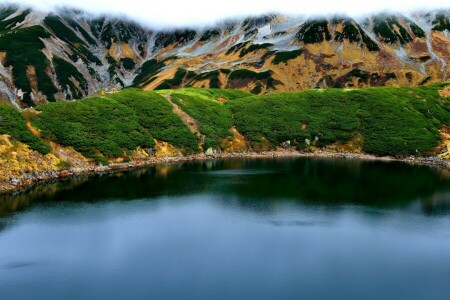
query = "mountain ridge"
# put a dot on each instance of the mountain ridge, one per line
(69, 54)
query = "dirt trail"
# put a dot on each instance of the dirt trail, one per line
(190, 122)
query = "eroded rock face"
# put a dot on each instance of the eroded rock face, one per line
(69, 54)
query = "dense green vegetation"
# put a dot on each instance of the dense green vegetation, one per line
(213, 117)
(13, 124)
(254, 48)
(128, 63)
(441, 22)
(385, 28)
(285, 56)
(393, 121)
(247, 74)
(69, 36)
(155, 114)
(315, 31)
(23, 48)
(93, 127)
(112, 125)
(209, 35)
(64, 71)
(354, 34)
(385, 121)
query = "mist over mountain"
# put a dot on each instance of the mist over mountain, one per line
(70, 54)
(200, 13)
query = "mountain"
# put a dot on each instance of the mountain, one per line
(69, 54)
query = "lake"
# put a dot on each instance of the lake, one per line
(290, 228)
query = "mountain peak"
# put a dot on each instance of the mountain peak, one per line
(69, 54)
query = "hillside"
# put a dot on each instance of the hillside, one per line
(136, 126)
(69, 54)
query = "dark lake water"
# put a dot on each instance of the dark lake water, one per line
(232, 229)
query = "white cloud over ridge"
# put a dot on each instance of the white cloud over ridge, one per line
(179, 13)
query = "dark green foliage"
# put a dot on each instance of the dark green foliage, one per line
(237, 47)
(23, 48)
(354, 34)
(441, 22)
(214, 82)
(358, 73)
(147, 70)
(391, 76)
(247, 74)
(66, 34)
(384, 29)
(285, 56)
(425, 80)
(128, 63)
(83, 32)
(314, 31)
(370, 44)
(251, 22)
(213, 77)
(209, 35)
(93, 126)
(113, 66)
(10, 23)
(418, 32)
(64, 71)
(179, 37)
(256, 90)
(393, 121)
(175, 81)
(69, 36)
(253, 48)
(61, 30)
(267, 55)
(13, 124)
(7, 10)
(118, 31)
(349, 32)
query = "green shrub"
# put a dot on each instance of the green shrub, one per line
(93, 126)
(24, 48)
(393, 121)
(64, 71)
(128, 63)
(247, 74)
(315, 31)
(13, 124)
(154, 114)
(285, 56)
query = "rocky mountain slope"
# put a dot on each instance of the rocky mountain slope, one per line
(70, 54)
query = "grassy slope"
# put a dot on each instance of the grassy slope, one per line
(13, 124)
(213, 117)
(391, 121)
(396, 121)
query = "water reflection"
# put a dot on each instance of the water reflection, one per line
(258, 184)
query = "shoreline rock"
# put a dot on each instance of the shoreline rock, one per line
(15, 184)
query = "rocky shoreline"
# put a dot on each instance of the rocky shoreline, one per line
(31, 179)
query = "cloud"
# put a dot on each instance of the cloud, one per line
(178, 13)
